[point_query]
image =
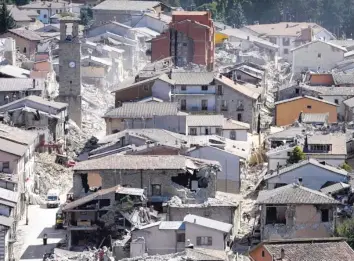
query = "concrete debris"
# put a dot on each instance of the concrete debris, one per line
(51, 175)
(34, 199)
(89, 255)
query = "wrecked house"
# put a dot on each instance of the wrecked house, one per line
(12, 89)
(161, 176)
(294, 211)
(33, 112)
(113, 209)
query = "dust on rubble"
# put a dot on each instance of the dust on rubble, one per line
(52, 175)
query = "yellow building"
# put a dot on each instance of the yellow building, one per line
(220, 37)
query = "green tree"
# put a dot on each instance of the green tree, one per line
(236, 16)
(86, 16)
(346, 167)
(346, 230)
(6, 20)
(296, 155)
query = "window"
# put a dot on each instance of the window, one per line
(204, 105)
(239, 105)
(318, 55)
(232, 135)
(309, 107)
(220, 91)
(183, 88)
(336, 101)
(239, 116)
(6, 165)
(57, 11)
(218, 131)
(24, 49)
(184, 44)
(204, 87)
(297, 91)
(156, 190)
(204, 241)
(181, 237)
(276, 215)
(325, 215)
(289, 153)
(192, 131)
(223, 105)
(238, 77)
(45, 16)
(183, 105)
(286, 51)
(273, 40)
(207, 131)
(263, 253)
(286, 41)
(146, 88)
(38, 11)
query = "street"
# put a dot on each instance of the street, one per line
(29, 245)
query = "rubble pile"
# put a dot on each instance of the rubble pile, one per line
(181, 256)
(89, 255)
(96, 101)
(52, 175)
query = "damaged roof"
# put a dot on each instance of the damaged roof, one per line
(310, 249)
(334, 188)
(294, 194)
(247, 90)
(116, 189)
(29, 100)
(314, 117)
(207, 222)
(145, 162)
(143, 110)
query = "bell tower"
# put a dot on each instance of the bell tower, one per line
(69, 67)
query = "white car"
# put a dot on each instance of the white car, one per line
(53, 198)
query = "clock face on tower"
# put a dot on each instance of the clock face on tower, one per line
(71, 64)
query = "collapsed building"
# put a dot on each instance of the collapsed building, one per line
(148, 180)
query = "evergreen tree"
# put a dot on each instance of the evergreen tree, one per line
(296, 155)
(236, 16)
(86, 16)
(6, 20)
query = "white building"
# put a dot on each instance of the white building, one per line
(316, 56)
(288, 35)
(46, 9)
(312, 174)
(232, 165)
(165, 237)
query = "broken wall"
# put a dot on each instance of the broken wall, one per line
(302, 221)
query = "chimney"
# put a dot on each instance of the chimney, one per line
(170, 74)
(299, 181)
(248, 37)
(287, 25)
(282, 254)
(195, 220)
(34, 83)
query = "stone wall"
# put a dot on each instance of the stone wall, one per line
(145, 179)
(232, 99)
